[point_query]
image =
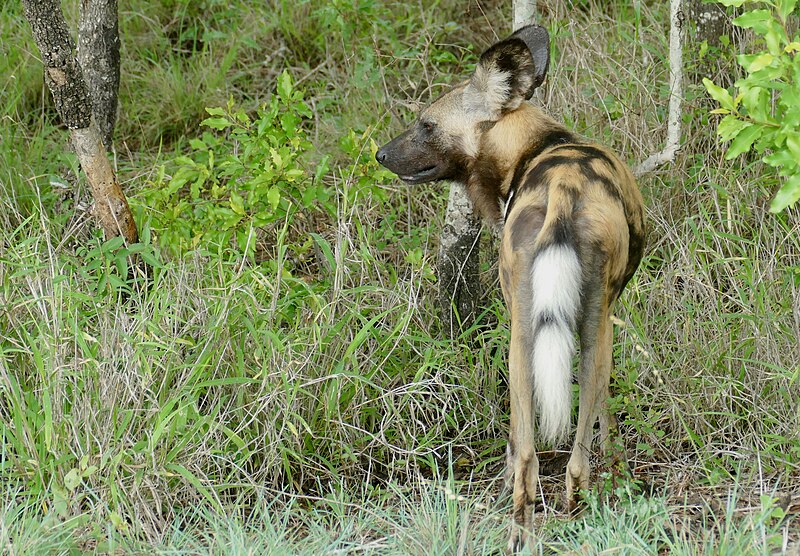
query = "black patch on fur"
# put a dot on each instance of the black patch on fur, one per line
(592, 152)
(593, 261)
(584, 161)
(548, 140)
(486, 125)
(546, 318)
(513, 57)
(562, 232)
(510, 53)
(543, 166)
(537, 39)
(591, 174)
(635, 252)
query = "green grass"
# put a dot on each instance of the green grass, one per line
(426, 517)
(304, 400)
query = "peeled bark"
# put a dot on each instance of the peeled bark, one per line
(64, 78)
(98, 55)
(460, 289)
(110, 205)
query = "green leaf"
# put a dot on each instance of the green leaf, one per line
(793, 143)
(118, 521)
(759, 62)
(757, 20)
(285, 85)
(787, 195)
(216, 123)
(729, 127)
(744, 140)
(786, 7)
(774, 41)
(237, 204)
(734, 3)
(757, 102)
(215, 111)
(274, 197)
(89, 471)
(326, 249)
(793, 46)
(72, 479)
(719, 94)
(780, 158)
(151, 258)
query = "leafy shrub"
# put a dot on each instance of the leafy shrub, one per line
(250, 174)
(763, 113)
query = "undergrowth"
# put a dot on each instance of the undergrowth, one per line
(279, 382)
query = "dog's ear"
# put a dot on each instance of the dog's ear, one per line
(509, 72)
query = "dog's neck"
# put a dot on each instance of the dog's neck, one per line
(505, 148)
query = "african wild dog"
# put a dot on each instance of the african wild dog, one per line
(573, 237)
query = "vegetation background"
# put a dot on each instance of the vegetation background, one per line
(280, 384)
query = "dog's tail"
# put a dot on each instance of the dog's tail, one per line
(556, 278)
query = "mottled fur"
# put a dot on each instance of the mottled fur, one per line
(573, 237)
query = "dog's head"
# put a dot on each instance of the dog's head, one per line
(447, 134)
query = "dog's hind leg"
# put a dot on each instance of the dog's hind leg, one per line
(522, 465)
(593, 377)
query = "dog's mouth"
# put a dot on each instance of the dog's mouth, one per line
(422, 176)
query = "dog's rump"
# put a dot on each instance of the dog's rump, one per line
(585, 191)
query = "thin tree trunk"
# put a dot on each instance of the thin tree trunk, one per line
(673, 141)
(711, 21)
(524, 13)
(98, 55)
(65, 80)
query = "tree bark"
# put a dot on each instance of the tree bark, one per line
(98, 55)
(460, 290)
(64, 78)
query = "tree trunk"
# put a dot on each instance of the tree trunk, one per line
(460, 289)
(710, 21)
(524, 13)
(98, 55)
(65, 80)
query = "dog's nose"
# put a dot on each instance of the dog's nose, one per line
(380, 156)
